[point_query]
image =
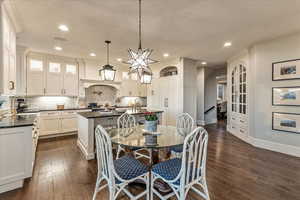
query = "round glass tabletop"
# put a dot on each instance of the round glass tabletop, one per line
(166, 136)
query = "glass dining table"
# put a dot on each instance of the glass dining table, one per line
(138, 138)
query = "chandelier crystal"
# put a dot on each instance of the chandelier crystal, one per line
(140, 60)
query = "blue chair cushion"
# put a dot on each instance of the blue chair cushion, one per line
(177, 149)
(168, 169)
(128, 168)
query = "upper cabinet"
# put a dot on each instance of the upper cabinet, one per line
(52, 76)
(7, 54)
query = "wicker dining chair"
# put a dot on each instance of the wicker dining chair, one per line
(117, 173)
(183, 174)
(126, 123)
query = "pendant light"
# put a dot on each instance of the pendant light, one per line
(140, 60)
(107, 73)
(146, 77)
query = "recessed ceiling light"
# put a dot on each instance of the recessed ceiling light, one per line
(227, 44)
(203, 63)
(92, 54)
(63, 28)
(58, 48)
(166, 55)
(119, 59)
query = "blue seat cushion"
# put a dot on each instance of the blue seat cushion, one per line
(168, 169)
(177, 149)
(128, 168)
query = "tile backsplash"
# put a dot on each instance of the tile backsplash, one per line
(50, 102)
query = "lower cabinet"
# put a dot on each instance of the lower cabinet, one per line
(16, 157)
(52, 123)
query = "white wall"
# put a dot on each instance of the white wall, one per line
(200, 95)
(261, 57)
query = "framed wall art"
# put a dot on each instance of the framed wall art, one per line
(288, 122)
(286, 96)
(286, 70)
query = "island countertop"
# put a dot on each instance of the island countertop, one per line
(114, 113)
(18, 121)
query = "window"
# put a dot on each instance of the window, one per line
(54, 67)
(70, 69)
(36, 65)
(220, 91)
(168, 71)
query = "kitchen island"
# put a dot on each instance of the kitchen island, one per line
(87, 122)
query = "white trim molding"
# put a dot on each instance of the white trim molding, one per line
(268, 145)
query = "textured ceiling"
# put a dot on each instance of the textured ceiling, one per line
(186, 28)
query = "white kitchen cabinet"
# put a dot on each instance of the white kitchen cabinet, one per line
(54, 78)
(7, 54)
(132, 88)
(50, 123)
(58, 122)
(35, 75)
(70, 80)
(16, 157)
(163, 95)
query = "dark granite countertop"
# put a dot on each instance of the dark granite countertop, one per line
(66, 109)
(113, 113)
(18, 121)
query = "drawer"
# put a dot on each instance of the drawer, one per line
(50, 113)
(234, 126)
(243, 130)
(69, 112)
(243, 122)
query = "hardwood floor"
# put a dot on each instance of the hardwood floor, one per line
(235, 171)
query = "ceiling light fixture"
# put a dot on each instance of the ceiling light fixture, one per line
(166, 55)
(227, 44)
(203, 63)
(119, 59)
(107, 73)
(140, 60)
(146, 77)
(92, 54)
(63, 28)
(58, 48)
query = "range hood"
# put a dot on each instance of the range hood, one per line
(86, 83)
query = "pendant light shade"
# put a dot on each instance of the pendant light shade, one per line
(107, 73)
(146, 78)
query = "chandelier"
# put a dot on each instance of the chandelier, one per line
(107, 73)
(140, 60)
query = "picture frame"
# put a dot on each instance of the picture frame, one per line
(286, 96)
(287, 122)
(286, 70)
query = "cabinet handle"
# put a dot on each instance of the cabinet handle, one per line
(242, 131)
(233, 118)
(242, 121)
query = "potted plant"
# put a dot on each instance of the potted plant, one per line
(151, 121)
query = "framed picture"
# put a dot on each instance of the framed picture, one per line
(286, 70)
(289, 122)
(286, 96)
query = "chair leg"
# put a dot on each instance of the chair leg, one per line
(206, 189)
(119, 151)
(96, 189)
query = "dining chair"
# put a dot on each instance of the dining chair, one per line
(126, 123)
(184, 124)
(117, 173)
(183, 174)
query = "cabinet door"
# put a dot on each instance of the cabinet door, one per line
(50, 125)
(70, 80)
(35, 76)
(54, 78)
(69, 123)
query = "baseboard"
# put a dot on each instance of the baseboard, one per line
(212, 121)
(58, 135)
(200, 122)
(272, 146)
(277, 147)
(11, 186)
(84, 152)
